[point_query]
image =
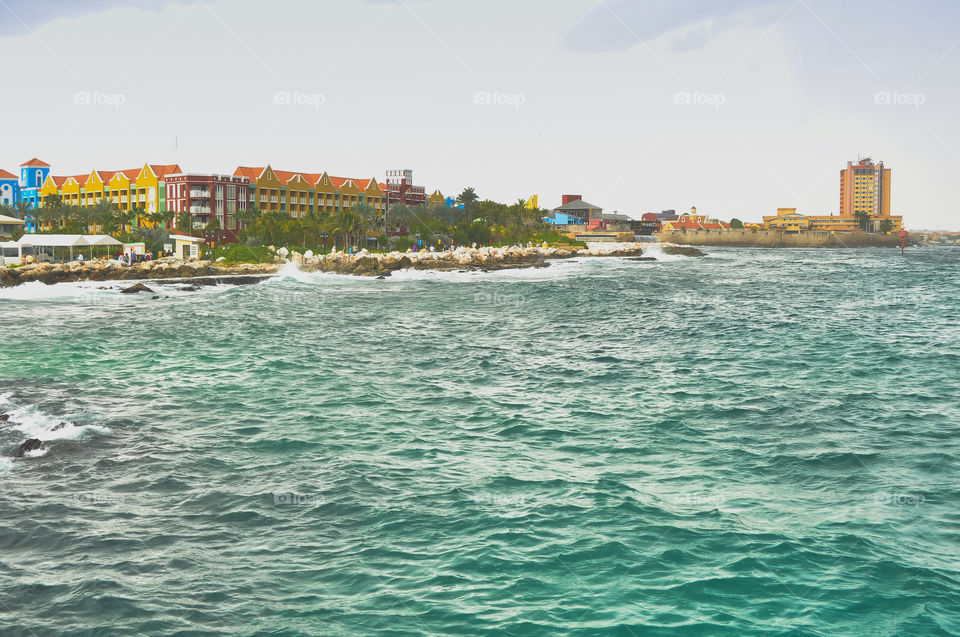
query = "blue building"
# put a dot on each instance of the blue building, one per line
(9, 189)
(32, 175)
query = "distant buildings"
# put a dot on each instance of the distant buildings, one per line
(865, 187)
(864, 204)
(399, 188)
(208, 197)
(9, 188)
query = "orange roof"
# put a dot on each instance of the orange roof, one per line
(251, 172)
(5, 175)
(162, 170)
(362, 184)
(339, 181)
(285, 176)
(36, 162)
(313, 178)
(105, 175)
(382, 186)
(58, 181)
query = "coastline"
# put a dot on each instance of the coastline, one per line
(779, 239)
(363, 263)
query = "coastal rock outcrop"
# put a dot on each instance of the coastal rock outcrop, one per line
(32, 444)
(136, 289)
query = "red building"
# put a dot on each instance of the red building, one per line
(209, 197)
(400, 189)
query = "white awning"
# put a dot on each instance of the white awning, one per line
(54, 240)
(101, 240)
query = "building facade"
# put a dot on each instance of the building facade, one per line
(9, 188)
(207, 197)
(399, 188)
(865, 187)
(300, 193)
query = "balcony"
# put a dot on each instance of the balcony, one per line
(199, 209)
(199, 193)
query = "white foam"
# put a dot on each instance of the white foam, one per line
(656, 251)
(33, 423)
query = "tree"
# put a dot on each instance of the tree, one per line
(736, 224)
(184, 222)
(247, 216)
(863, 219)
(467, 198)
(886, 225)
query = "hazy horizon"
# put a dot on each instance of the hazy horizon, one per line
(736, 107)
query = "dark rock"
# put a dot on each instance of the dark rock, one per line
(154, 298)
(190, 288)
(136, 289)
(686, 251)
(4, 417)
(29, 445)
(641, 259)
(381, 277)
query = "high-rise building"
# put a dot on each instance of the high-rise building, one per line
(865, 187)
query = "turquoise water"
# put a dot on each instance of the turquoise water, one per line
(753, 443)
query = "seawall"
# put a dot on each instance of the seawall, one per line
(779, 239)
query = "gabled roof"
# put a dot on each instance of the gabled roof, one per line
(58, 180)
(162, 170)
(286, 176)
(35, 162)
(313, 178)
(339, 182)
(105, 175)
(251, 172)
(5, 175)
(577, 204)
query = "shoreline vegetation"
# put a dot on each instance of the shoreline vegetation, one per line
(362, 263)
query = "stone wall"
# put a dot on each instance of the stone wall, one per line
(779, 239)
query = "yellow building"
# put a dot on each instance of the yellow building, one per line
(437, 200)
(300, 193)
(790, 220)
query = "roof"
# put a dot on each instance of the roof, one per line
(251, 172)
(183, 237)
(36, 162)
(11, 220)
(59, 180)
(286, 176)
(339, 181)
(5, 175)
(54, 240)
(577, 204)
(162, 170)
(616, 217)
(101, 240)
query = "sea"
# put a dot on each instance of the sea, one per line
(755, 442)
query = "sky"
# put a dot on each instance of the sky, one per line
(737, 107)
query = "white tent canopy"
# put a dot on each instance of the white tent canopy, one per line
(54, 240)
(101, 240)
(71, 241)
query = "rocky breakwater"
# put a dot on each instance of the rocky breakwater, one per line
(365, 263)
(488, 259)
(169, 268)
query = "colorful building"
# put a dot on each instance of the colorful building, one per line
(32, 175)
(9, 189)
(865, 187)
(399, 188)
(208, 197)
(790, 220)
(299, 193)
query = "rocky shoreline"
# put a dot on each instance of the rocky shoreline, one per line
(361, 264)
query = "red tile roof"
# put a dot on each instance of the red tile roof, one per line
(340, 181)
(58, 181)
(251, 172)
(5, 175)
(162, 170)
(36, 162)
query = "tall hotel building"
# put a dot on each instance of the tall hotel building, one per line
(865, 187)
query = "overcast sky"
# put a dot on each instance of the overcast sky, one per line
(735, 106)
